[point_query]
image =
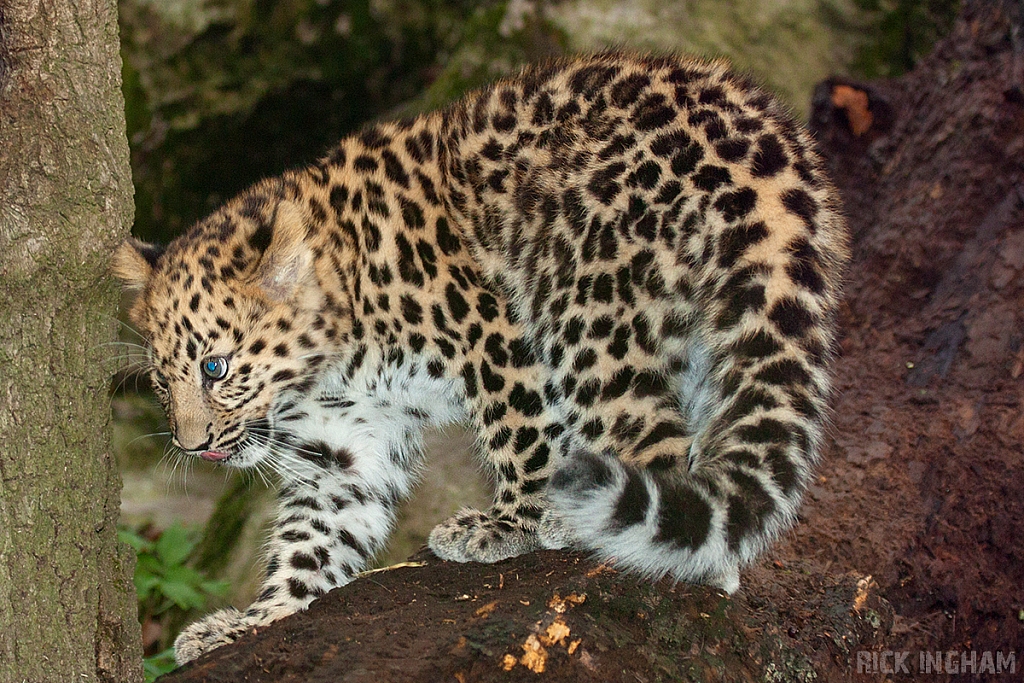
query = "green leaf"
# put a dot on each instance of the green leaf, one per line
(144, 584)
(185, 575)
(217, 588)
(174, 545)
(137, 542)
(159, 664)
(148, 564)
(182, 594)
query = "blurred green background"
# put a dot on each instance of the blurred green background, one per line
(221, 93)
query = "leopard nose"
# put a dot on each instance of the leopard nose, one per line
(204, 446)
(194, 435)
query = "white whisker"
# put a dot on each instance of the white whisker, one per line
(146, 436)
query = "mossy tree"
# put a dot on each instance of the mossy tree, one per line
(67, 607)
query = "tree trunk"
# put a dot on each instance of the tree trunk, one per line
(67, 608)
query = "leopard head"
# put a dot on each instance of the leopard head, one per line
(236, 318)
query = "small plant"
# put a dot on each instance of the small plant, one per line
(159, 664)
(166, 588)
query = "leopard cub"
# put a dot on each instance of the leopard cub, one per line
(621, 271)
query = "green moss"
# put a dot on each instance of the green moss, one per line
(204, 79)
(136, 108)
(491, 46)
(790, 667)
(697, 643)
(901, 33)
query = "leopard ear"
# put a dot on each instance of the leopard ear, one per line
(286, 272)
(133, 263)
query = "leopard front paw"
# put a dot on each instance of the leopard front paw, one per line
(209, 633)
(474, 536)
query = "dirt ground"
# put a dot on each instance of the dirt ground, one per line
(922, 486)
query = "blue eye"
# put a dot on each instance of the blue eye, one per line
(215, 367)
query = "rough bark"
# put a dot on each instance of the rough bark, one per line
(558, 617)
(67, 608)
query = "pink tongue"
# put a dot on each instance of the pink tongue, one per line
(213, 456)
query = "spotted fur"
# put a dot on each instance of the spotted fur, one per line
(621, 271)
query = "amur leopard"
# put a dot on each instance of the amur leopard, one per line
(621, 271)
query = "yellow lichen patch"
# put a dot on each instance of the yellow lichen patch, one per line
(863, 588)
(600, 569)
(535, 656)
(486, 609)
(560, 604)
(459, 647)
(555, 633)
(508, 662)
